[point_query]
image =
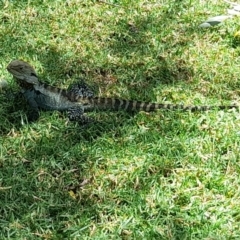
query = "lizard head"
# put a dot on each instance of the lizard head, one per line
(23, 71)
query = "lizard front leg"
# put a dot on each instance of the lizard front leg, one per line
(33, 114)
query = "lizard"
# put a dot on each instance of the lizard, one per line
(80, 97)
(43, 96)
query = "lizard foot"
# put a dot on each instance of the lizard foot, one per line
(81, 89)
(76, 114)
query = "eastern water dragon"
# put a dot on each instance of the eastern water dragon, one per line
(79, 98)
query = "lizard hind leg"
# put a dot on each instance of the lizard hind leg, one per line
(77, 114)
(81, 89)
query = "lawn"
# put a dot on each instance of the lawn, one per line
(160, 175)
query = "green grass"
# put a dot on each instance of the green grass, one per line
(162, 175)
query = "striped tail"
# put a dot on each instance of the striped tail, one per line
(129, 105)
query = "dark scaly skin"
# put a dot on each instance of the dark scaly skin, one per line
(80, 97)
(43, 96)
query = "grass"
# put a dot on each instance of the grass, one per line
(162, 175)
